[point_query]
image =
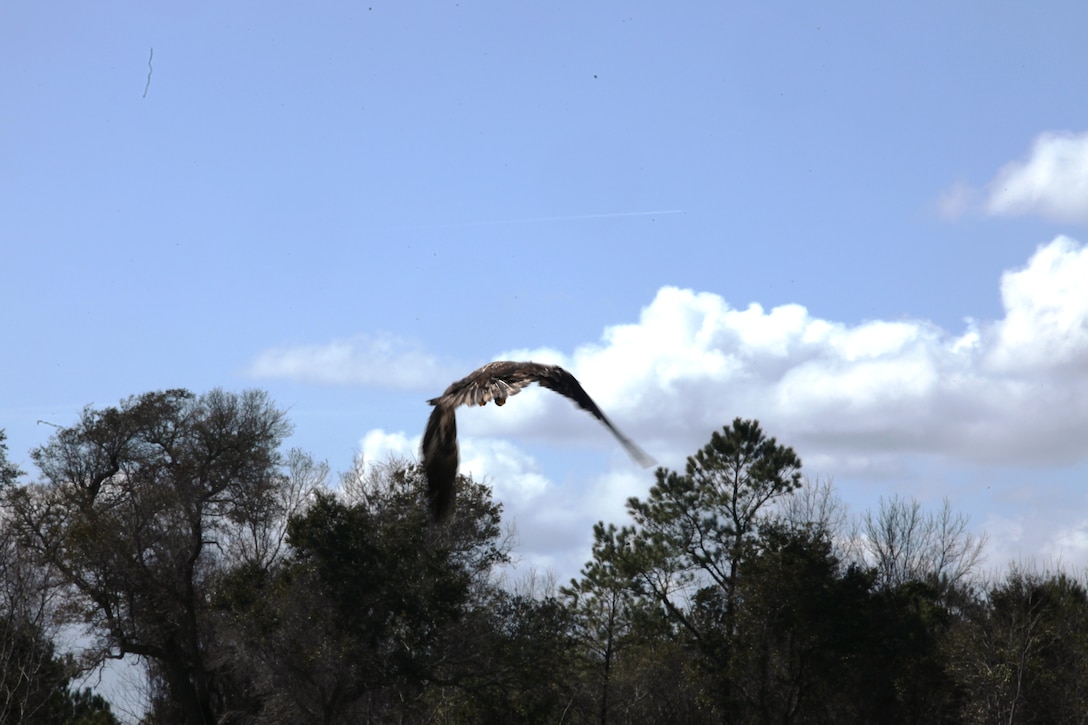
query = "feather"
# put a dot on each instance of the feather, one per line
(496, 382)
(440, 459)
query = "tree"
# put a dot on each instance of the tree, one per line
(34, 678)
(9, 472)
(604, 610)
(773, 620)
(516, 663)
(906, 545)
(1022, 655)
(816, 507)
(634, 666)
(691, 530)
(795, 653)
(136, 510)
(375, 613)
(30, 674)
(682, 558)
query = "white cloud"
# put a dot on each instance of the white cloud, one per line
(514, 474)
(361, 360)
(1013, 390)
(1046, 325)
(900, 403)
(1049, 531)
(378, 446)
(1051, 183)
(1068, 543)
(548, 535)
(1009, 390)
(958, 200)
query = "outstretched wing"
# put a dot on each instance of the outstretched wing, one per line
(495, 381)
(556, 378)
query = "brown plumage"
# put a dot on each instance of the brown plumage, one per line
(495, 381)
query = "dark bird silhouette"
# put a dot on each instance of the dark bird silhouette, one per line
(495, 381)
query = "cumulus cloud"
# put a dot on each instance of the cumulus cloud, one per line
(1051, 183)
(1011, 390)
(383, 360)
(513, 473)
(378, 446)
(902, 401)
(1008, 390)
(549, 537)
(1046, 325)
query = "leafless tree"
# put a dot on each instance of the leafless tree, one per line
(906, 543)
(260, 537)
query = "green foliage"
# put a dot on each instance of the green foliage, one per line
(692, 529)
(1022, 653)
(9, 473)
(135, 506)
(516, 663)
(771, 626)
(605, 618)
(793, 631)
(703, 517)
(379, 614)
(33, 680)
(349, 622)
(85, 707)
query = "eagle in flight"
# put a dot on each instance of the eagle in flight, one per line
(495, 381)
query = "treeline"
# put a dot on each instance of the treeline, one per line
(174, 528)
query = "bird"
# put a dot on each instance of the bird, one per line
(496, 382)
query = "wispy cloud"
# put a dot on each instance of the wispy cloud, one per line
(383, 360)
(1051, 183)
(958, 201)
(545, 219)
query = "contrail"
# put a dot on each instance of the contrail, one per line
(150, 70)
(536, 220)
(606, 215)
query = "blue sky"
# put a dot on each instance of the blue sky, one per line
(862, 224)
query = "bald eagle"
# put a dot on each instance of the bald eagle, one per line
(495, 381)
